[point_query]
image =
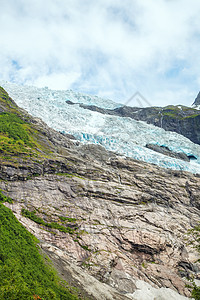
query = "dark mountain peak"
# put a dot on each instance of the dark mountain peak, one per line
(197, 100)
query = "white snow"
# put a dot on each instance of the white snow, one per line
(195, 106)
(146, 292)
(122, 135)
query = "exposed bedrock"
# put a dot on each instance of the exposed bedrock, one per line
(113, 226)
(166, 151)
(130, 218)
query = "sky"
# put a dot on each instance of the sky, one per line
(109, 48)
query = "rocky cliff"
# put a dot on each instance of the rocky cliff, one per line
(115, 227)
(197, 100)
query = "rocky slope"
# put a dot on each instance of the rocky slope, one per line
(122, 225)
(197, 100)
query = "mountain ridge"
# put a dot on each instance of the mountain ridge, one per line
(128, 219)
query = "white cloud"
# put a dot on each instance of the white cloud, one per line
(57, 81)
(111, 48)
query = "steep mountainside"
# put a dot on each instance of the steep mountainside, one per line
(124, 135)
(197, 100)
(24, 274)
(113, 226)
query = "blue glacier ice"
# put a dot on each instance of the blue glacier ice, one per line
(122, 135)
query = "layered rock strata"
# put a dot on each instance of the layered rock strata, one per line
(130, 219)
(124, 221)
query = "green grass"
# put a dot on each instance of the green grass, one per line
(180, 114)
(194, 240)
(32, 216)
(18, 136)
(192, 116)
(6, 102)
(24, 274)
(15, 135)
(4, 198)
(72, 220)
(15, 127)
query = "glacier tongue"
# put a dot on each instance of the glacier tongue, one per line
(122, 135)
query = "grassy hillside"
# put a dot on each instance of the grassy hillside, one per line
(24, 274)
(19, 137)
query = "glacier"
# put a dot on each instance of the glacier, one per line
(125, 136)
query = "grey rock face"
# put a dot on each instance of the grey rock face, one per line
(166, 151)
(132, 218)
(128, 220)
(197, 100)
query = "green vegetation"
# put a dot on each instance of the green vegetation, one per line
(14, 138)
(192, 116)
(18, 136)
(195, 241)
(64, 174)
(196, 292)
(195, 237)
(15, 127)
(32, 216)
(70, 175)
(4, 198)
(14, 132)
(179, 113)
(85, 247)
(144, 265)
(24, 274)
(6, 102)
(72, 220)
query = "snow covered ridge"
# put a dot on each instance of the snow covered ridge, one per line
(122, 135)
